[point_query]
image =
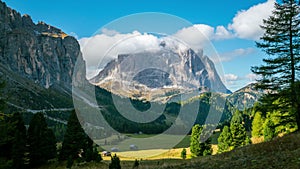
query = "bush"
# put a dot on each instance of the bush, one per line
(115, 162)
(136, 164)
(183, 154)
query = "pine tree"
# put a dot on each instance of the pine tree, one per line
(239, 135)
(183, 154)
(257, 125)
(195, 140)
(224, 140)
(237, 117)
(41, 141)
(12, 141)
(19, 141)
(6, 141)
(76, 140)
(238, 131)
(281, 42)
(115, 162)
(199, 147)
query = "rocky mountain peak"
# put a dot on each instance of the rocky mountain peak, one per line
(156, 75)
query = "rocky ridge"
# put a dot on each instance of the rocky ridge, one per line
(39, 52)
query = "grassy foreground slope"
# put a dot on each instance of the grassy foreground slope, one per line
(279, 153)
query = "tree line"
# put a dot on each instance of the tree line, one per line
(29, 148)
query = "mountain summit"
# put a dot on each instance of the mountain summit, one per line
(159, 74)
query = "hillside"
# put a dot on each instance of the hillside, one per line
(280, 153)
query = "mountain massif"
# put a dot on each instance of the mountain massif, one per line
(159, 75)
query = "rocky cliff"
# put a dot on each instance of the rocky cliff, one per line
(39, 52)
(37, 62)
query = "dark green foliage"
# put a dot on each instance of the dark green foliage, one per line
(195, 140)
(257, 125)
(199, 146)
(12, 141)
(269, 131)
(136, 164)
(115, 162)
(19, 142)
(237, 130)
(238, 134)
(224, 140)
(123, 125)
(96, 156)
(281, 42)
(92, 153)
(70, 162)
(237, 117)
(77, 145)
(235, 135)
(74, 140)
(183, 154)
(41, 141)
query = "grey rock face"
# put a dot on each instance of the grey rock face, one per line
(152, 74)
(153, 78)
(39, 52)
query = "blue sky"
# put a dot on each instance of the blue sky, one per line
(231, 26)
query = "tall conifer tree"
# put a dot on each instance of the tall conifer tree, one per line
(281, 42)
(41, 141)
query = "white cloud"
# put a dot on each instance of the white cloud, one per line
(251, 77)
(228, 56)
(102, 48)
(222, 33)
(200, 35)
(246, 23)
(235, 82)
(231, 77)
(196, 36)
(109, 32)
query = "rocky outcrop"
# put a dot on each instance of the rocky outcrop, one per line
(245, 97)
(39, 52)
